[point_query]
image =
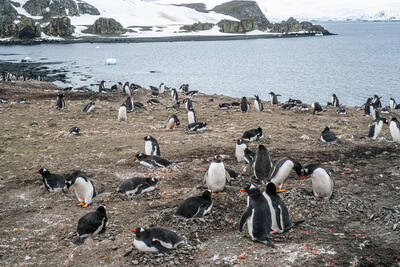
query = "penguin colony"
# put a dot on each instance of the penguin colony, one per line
(266, 212)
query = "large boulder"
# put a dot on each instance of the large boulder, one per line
(292, 25)
(52, 8)
(7, 26)
(6, 8)
(28, 29)
(242, 10)
(243, 26)
(197, 27)
(106, 26)
(59, 27)
(85, 8)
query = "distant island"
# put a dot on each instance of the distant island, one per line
(36, 21)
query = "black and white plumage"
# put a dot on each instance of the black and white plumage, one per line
(137, 185)
(52, 182)
(82, 186)
(89, 107)
(225, 106)
(125, 89)
(394, 127)
(22, 100)
(282, 169)
(235, 104)
(322, 180)
(341, 111)
(197, 206)
(327, 136)
(92, 224)
(176, 106)
(241, 146)
(367, 110)
(303, 107)
(152, 161)
(188, 103)
(60, 101)
(262, 164)
(161, 88)
(393, 104)
(197, 127)
(258, 105)
(174, 94)
(376, 101)
(192, 118)
(257, 216)
(249, 156)
(289, 106)
(172, 121)
(274, 98)
(4, 100)
(153, 102)
(253, 135)
(316, 107)
(376, 127)
(151, 146)
(122, 113)
(117, 87)
(128, 103)
(232, 174)
(244, 105)
(156, 239)
(191, 93)
(138, 105)
(335, 101)
(280, 219)
(75, 130)
(216, 176)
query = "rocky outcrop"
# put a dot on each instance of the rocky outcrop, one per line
(243, 26)
(51, 8)
(292, 25)
(106, 26)
(200, 7)
(6, 8)
(197, 27)
(59, 27)
(28, 29)
(7, 26)
(242, 10)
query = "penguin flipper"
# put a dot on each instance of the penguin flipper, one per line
(244, 217)
(160, 247)
(140, 189)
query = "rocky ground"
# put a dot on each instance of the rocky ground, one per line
(38, 228)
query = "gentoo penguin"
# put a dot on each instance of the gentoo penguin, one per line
(257, 216)
(232, 174)
(235, 104)
(392, 104)
(244, 105)
(122, 113)
(274, 98)
(188, 103)
(197, 206)
(374, 112)
(152, 161)
(75, 130)
(262, 165)
(367, 106)
(376, 101)
(258, 104)
(394, 127)
(22, 100)
(192, 116)
(376, 128)
(161, 88)
(60, 101)
(138, 105)
(172, 122)
(280, 218)
(153, 102)
(176, 106)
(52, 182)
(253, 135)
(184, 87)
(191, 93)
(83, 187)
(129, 104)
(322, 180)
(216, 176)
(151, 146)
(303, 107)
(117, 87)
(156, 239)
(335, 101)
(225, 106)
(327, 135)
(155, 92)
(4, 100)
(341, 111)
(282, 169)
(137, 185)
(125, 89)
(174, 94)
(197, 127)
(316, 107)
(249, 156)
(241, 145)
(89, 107)
(92, 224)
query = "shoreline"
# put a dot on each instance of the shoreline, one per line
(158, 39)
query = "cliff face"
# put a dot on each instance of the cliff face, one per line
(51, 8)
(7, 9)
(106, 26)
(59, 27)
(242, 10)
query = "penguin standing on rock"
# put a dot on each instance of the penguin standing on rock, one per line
(376, 128)
(239, 150)
(60, 101)
(367, 109)
(316, 107)
(129, 104)
(52, 182)
(322, 180)
(89, 107)
(262, 165)
(327, 136)
(216, 175)
(174, 94)
(192, 116)
(83, 187)
(75, 130)
(151, 146)
(125, 89)
(172, 121)
(274, 98)
(249, 156)
(253, 135)
(152, 161)
(156, 239)
(197, 206)
(392, 104)
(335, 101)
(244, 105)
(281, 171)
(188, 103)
(394, 127)
(92, 224)
(257, 216)
(258, 104)
(137, 185)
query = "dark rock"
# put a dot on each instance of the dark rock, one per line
(6, 8)
(242, 10)
(27, 29)
(59, 27)
(85, 8)
(243, 26)
(292, 25)
(200, 7)
(197, 27)
(105, 26)
(7, 26)
(51, 8)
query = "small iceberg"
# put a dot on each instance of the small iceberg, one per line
(27, 59)
(111, 61)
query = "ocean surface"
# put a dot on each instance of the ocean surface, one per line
(362, 60)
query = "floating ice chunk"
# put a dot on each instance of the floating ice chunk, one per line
(111, 61)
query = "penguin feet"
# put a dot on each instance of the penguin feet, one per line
(86, 204)
(81, 204)
(280, 190)
(272, 232)
(215, 193)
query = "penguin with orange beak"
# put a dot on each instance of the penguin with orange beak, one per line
(52, 182)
